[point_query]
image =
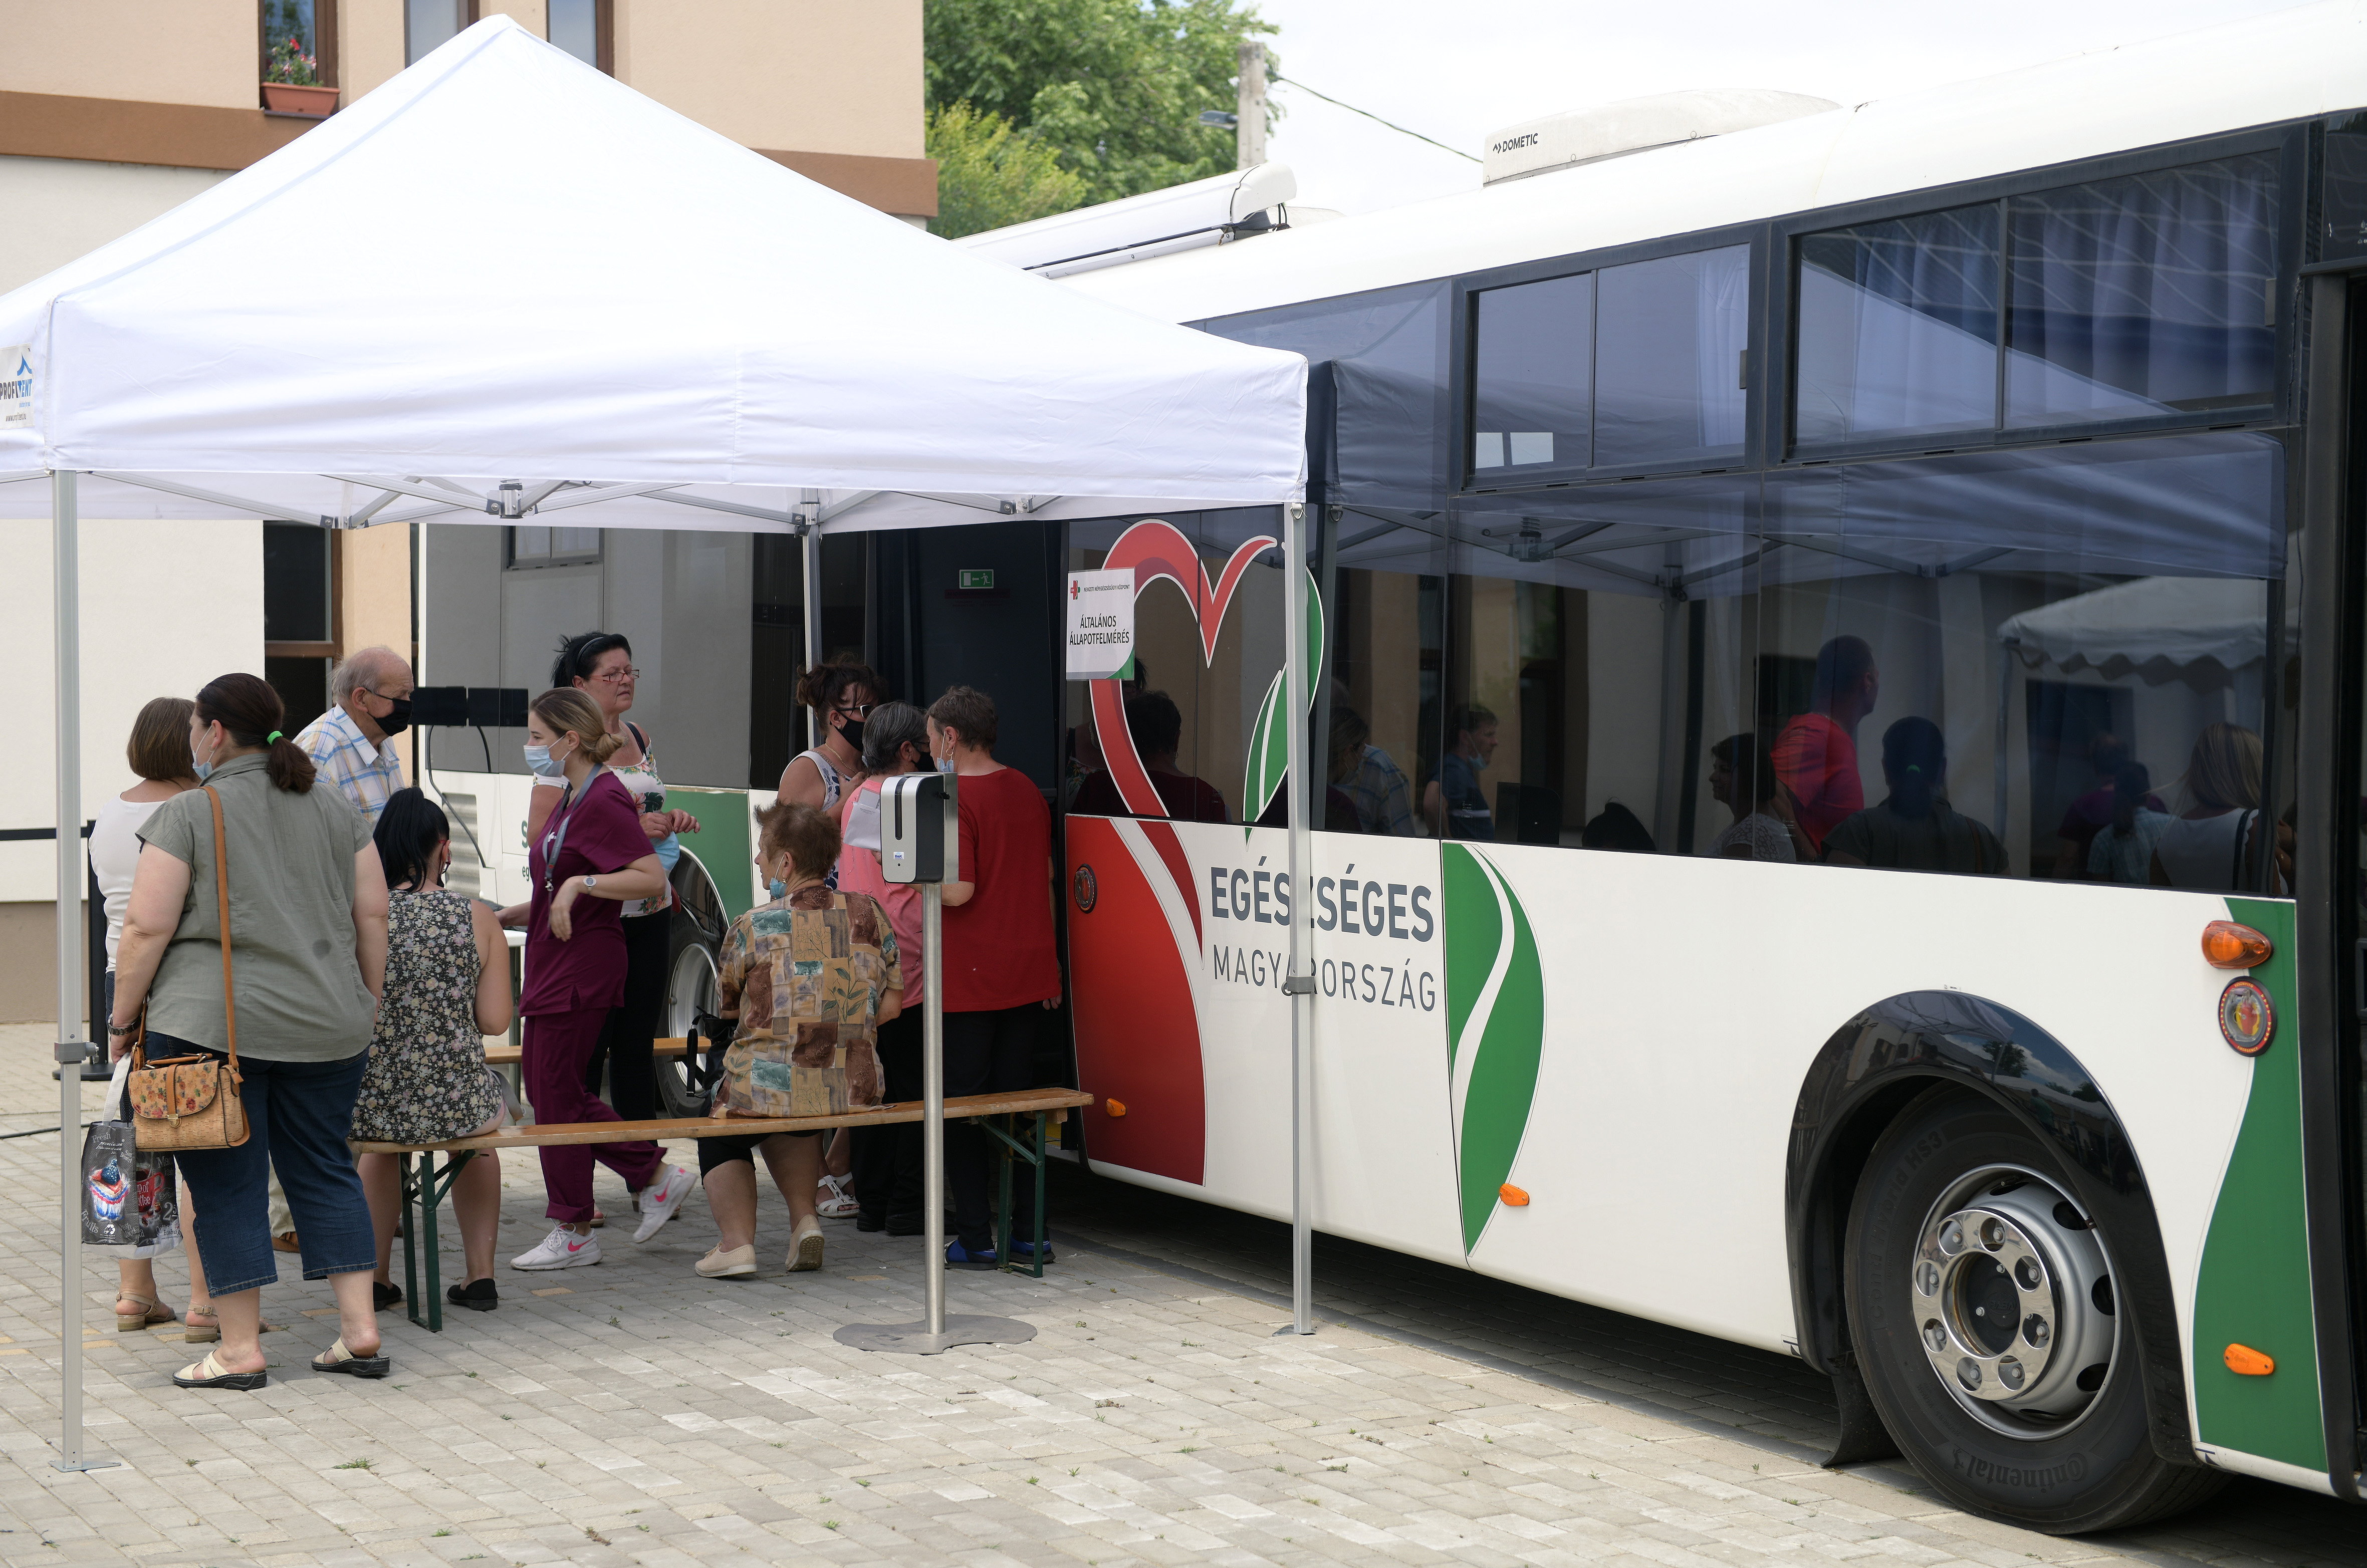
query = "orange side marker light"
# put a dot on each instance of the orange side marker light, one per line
(2229, 946)
(2247, 1362)
(1513, 1197)
(1115, 1107)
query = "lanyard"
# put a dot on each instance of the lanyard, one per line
(555, 836)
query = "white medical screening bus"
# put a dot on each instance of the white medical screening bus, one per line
(1967, 447)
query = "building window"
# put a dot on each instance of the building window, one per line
(312, 23)
(587, 29)
(300, 619)
(429, 23)
(530, 548)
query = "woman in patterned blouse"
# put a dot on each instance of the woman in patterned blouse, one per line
(809, 976)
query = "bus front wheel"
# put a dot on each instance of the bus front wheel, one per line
(1982, 1309)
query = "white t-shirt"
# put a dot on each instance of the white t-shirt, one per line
(114, 854)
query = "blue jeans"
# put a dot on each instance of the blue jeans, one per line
(298, 1115)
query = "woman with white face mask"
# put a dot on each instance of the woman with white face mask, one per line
(591, 857)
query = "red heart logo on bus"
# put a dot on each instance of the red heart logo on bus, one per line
(1152, 549)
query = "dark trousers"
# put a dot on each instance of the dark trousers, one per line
(888, 1159)
(298, 1115)
(987, 1053)
(625, 1039)
(557, 1047)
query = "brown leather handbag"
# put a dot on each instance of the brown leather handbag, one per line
(192, 1102)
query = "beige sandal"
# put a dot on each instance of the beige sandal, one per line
(150, 1314)
(211, 1373)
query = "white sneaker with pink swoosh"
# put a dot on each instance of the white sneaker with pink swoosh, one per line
(562, 1248)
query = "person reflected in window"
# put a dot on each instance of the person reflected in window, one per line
(1915, 829)
(1616, 828)
(1455, 802)
(2210, 846)
(1816, 755)
(2098, 809)
(1373, 784)
(1741, 781)
(1156, 725)
(2122, 850)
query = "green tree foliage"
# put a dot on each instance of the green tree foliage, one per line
(990, 175)
(1112, 88)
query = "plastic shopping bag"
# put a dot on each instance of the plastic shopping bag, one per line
(129, 1196)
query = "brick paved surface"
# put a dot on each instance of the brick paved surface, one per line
(637, 1414)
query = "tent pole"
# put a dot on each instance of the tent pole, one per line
(71, 1050)
(811, 542)
(1299, 982)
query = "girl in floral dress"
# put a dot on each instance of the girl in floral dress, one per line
(448, 985)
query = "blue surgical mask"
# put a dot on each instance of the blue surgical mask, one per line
(945, 764)
(199, 768)
(777, 888)
(538, 763)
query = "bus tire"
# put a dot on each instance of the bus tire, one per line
(1980, 1306)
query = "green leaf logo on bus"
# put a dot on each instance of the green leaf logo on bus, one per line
(1495, 1027)
(1269, 759)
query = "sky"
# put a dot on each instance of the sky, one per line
(1455, 70)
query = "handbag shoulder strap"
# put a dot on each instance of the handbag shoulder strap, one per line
(221, 905)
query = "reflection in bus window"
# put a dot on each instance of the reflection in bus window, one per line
(1533, 360)
(1668, 358)
(1384, 667)
(2149, 295)
(1898, 327)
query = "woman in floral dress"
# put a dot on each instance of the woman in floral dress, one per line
(448, 985)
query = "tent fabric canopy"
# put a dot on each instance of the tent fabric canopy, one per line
(504, 265)
(2179, 620)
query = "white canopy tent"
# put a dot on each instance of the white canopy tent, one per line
(505, 286)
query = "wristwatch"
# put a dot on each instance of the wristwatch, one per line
(590, 883)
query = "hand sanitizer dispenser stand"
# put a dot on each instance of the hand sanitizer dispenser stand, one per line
(920, 842)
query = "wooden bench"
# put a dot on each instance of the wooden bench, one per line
(425, 1184)
(512, 1055)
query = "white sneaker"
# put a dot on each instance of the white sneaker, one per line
(562, 1248)
(830, 1200)
(661, 1199)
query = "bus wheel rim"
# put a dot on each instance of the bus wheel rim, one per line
(2013, 1300)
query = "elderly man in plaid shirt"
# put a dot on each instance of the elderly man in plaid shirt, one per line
(352, 744)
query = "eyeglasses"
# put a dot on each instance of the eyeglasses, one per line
(617, 677)
(856, 710)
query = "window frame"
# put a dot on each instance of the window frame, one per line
(324, 42)
(471, 12)
(511, 562)
(2290, 141)
(1464, 332)
(604, 33)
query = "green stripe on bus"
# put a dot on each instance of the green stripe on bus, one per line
(2253, 1287)
(1507, 1041)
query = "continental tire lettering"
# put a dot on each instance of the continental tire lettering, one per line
(2019, 1478)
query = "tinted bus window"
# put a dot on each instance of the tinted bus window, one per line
(1380, 704)
(1667, 356)
(2147, 295)
(1533, 367)
(1899, 328)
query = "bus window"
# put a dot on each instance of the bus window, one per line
(1897, 328)
(1596, 648)
(1668, 358)
(1532, 376)
(2050, 663)
(1380, 708)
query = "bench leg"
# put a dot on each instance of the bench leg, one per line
(430, 1200)
(1041, 1244)
(413, 1181)
(1014, 1147)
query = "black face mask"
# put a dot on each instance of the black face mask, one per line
(853, 733)
(398, 719)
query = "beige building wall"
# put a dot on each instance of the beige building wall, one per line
(374, 584)
(178, 52)
(809, 76)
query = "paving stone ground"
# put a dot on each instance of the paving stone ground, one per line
(635, 1414)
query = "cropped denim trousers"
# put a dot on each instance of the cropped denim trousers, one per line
(298, 1115)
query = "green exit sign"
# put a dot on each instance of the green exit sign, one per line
(977, 577)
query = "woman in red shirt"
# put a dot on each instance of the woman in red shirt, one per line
(1001, 969)
(590, 859)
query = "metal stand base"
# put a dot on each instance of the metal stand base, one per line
(73, 1465)
(914, 1338)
